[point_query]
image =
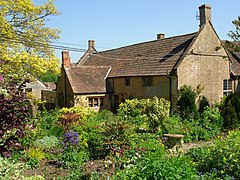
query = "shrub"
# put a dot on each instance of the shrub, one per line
(231, 111)
(203, 103)
(172, 125)
(46, 143)
(151, 162)
(149, 113)
(15, 113)
(187, 101)
(222, 159)
(46, 124)
(10, 169)
(208, 125)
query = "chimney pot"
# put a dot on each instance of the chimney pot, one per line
(66, 61)
(160, 36)
(205, 14)
(91, 45)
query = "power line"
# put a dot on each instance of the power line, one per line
(43, 45)
(52, 45)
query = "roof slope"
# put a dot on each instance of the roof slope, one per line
(144, 59)
(234, 55)
(85, 79)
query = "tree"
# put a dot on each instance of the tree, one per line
(235, 35)
(25, 40)
(49, 76)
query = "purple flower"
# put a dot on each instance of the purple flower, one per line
(70, 140)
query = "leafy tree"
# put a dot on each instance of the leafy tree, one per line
(25, 39)
(49, 77)
(235, 35)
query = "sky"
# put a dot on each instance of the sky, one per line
(117, 23)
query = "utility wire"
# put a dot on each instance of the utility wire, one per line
(18, 41)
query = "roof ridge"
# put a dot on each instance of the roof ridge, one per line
(167, 38)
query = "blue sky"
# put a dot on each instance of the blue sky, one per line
(113, 23)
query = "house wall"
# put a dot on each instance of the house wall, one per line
(49, 96)
(65, 97)
(83, 100)
(206, 64)
(121, 92)
(35, 88)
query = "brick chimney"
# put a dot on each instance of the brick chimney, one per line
(205, 14)
(160, 36)
(91, 45)
(66, 61)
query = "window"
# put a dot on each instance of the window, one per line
(227, 87)
(90, 102)
(101, 102)
(147, 81)
(95, 102)
(127, 81)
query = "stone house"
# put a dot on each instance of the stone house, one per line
(155, 68)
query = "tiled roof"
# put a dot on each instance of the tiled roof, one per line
(234, 56)
(156, 57)
(85, 79)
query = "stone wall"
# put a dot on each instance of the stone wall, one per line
(160, 88)
(206, 64)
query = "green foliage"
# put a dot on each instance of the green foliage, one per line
(172, 125)
(47, 124)
(35, 153)
(208, 125)
(231, 111)
(10, 169)
(49, 76)
(46, 143)
(36, 177)
(26, 39)
(187, 101)
(235, 35)
(145, 113)
(149, 161)
(222, 159)
(203, 103)
(71, 158)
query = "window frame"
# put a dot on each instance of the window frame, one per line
(127, 81)
(227, 87)
(147, 81)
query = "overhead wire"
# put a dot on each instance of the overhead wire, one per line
(74, 49)
(58, 47)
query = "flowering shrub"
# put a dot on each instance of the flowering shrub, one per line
(221, 160)
(146, 114)
(72, 156)
(70, 140)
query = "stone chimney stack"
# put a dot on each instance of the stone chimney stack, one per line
(205, 14)
(91, 45)
(160, 36)
(66, 61)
